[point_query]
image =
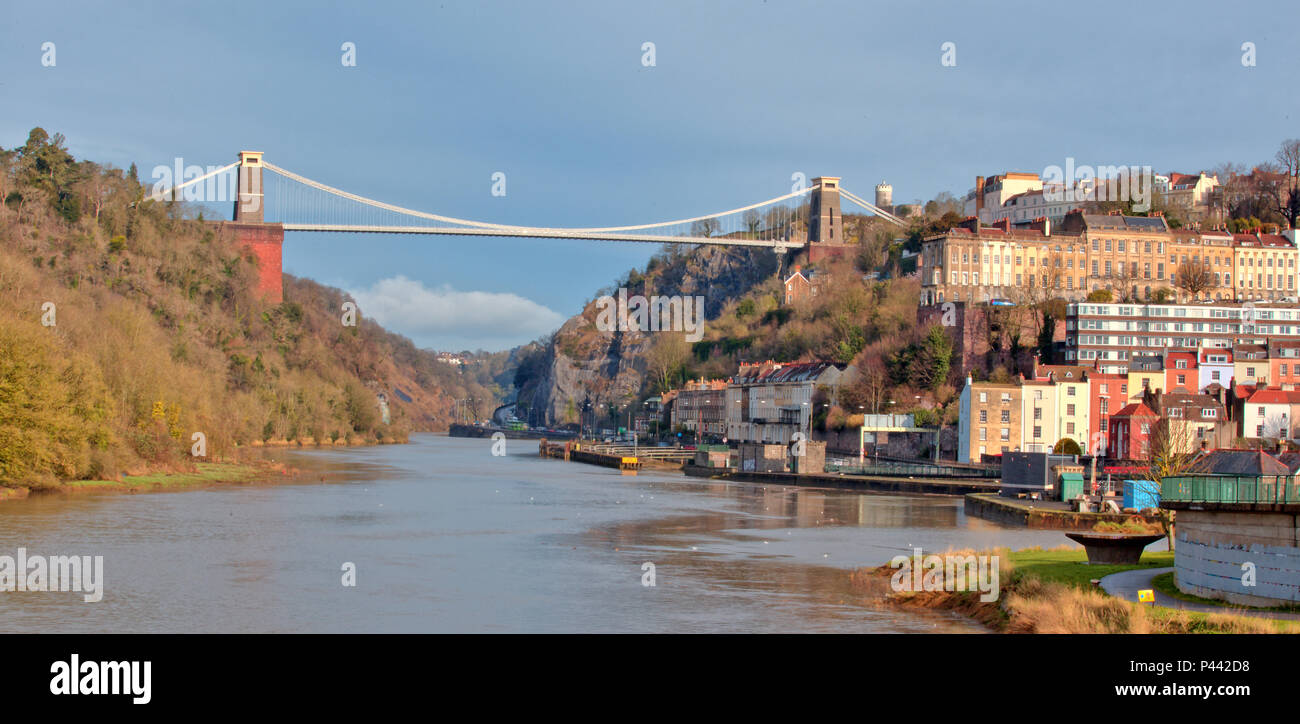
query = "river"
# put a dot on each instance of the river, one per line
(445, 537)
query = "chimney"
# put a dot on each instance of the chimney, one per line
(1003, 223)
(979, 195)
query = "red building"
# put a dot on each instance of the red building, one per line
(1109, 394)
(1284, 363)
(1130, 429)
(1181, 372)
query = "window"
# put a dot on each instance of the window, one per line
(1038, 413)
(984, 397)
(1038, 432)
(1069, 428)
(1209, 412)
(984, 434)
(1069, 410)
(984, 416)
(1006, 416)
(1006, 434)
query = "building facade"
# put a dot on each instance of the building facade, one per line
(1110, 334)
(701, 408)
(989, 422)
(768, 402)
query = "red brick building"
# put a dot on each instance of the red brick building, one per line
(1130, 431)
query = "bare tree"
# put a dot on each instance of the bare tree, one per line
(1288, 157)
(666, 357)
(1171, 450)
(1041, 287)
(870, 389)
(1286, 195)
(1126, 278)
(705, 228)
(1194, 277)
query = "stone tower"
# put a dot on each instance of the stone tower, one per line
(884, 195)
(248, 202)
(265, 241)
(825, 223)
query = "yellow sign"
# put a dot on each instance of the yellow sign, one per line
(1146, 596)
(627, 461)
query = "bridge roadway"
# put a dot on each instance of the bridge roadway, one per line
(542, 234)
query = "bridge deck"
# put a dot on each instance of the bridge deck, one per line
(542, 234)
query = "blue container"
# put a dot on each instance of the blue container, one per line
(1141, 494)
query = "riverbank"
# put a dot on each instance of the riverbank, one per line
(1051, 591)
(203, 475)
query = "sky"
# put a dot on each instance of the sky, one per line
(555, 95)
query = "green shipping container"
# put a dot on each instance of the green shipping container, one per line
(1071, 485)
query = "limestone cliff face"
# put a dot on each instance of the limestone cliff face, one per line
(583, 364)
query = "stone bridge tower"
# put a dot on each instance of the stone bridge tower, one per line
(825, 222)
(265, 241)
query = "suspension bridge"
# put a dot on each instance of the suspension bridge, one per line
(808, 217)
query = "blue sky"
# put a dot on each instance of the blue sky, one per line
(743, 94)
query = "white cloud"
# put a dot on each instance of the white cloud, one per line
(447, 319)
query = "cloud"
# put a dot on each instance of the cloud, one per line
(446, 319)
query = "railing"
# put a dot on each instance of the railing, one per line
(648, 452)
(1230, 489)
(925, 470)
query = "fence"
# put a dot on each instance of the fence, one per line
(1230, 489)
(923, 470)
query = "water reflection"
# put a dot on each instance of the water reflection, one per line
(446, 537)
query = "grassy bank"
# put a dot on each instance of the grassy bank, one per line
(203, 475)
(1051, 591)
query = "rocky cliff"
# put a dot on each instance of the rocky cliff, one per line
(582, 364)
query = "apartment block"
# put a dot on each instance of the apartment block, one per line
(1109, 335)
